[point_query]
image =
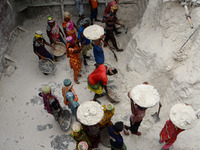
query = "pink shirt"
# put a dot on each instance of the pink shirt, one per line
(139, 115)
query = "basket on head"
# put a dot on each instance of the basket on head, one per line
(145, 95)
(183, 116)
(93, 32)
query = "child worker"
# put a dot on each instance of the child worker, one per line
(144, 96)
(73, 51)
(69, 26)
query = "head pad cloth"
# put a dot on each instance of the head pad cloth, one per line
(69, 39)
(109, 107)
(46, 89)
(38, 34)
(67, 82)
(183, 116)
(77, 127)
(66, 14)
(82, 145)
(114, 7)
(50, 19)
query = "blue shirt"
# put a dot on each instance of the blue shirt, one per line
(80, 32)
(116, 140)
(98, 54)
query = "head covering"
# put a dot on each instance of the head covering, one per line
(67, 82)
(183, 116)
(66, 14)
(114, 7)
(82, 145)
(111, 70)
(77, 127)
(70, 96)
(85, 21)
(38, 34)
(46, 89)
(109, 106)
(118, 127)
(50, 19)
(69, 39)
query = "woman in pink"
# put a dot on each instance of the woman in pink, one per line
(68, 26)
(138, 114)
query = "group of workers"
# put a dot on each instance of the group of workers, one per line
(88, 137)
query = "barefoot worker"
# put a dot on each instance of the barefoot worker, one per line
(73, 51)
(182, 117)
(97, 80)
(110, 21)
(142, 97)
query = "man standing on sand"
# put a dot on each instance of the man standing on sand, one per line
(110, 21)
(79, 7)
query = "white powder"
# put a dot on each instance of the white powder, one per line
(93, 32)
(145, 95)
(90, 113)
(183, 116)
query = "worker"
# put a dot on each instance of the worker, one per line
(73, 51)
(109, 111)
(85, 43)
(169, 134)
(94, 10)
(137, 116)
(51, 103)
(39, 46)
(53, 32)
(69, 26)
(73, 105)
(79, 7)
(97, 80)
(93, 134)
(68, 86)
(116, 140)
(110, 21)
(79, 135)
(98, 51)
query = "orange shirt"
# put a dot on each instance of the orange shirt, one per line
(94, 3)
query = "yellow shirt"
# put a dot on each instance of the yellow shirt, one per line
(107, 117)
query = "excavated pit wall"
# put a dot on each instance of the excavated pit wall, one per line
(153, 53)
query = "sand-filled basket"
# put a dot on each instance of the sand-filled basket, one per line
(93, 32)
(145, 95)
(60, 49)
(90, 113)
(183, 116)
(46, 65)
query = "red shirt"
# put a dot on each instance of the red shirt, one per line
(94, 3)
(98, 75)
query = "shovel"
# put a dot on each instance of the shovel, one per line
(156, 114)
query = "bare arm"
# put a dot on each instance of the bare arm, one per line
(105, 87)
(48, 44)
(117, 22)
(61, 32)
(132, 105)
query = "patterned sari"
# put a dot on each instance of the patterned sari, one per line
(69, 27)
(75, 61)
